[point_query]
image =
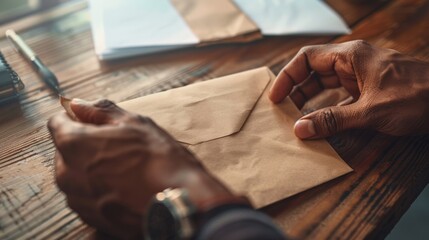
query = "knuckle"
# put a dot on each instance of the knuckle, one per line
(360, 43)
(132, 118)
(136, 134)
(104, 103)
(307, 49)
(145, 119)
(64, 138)
(54, 124)
(357, 46)
(129, 130)
(329, 123)
(68, 140)
(359, 53)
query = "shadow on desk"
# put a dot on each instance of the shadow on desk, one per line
(10, 111)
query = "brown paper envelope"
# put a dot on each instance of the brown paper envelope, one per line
(241, 137)
(217, 21)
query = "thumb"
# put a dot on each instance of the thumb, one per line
(329, 121)
(97, 112)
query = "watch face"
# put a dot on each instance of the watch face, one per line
(161, 224)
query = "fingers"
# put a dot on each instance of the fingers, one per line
(333, 63)
(319, 58)
(292, 74)
(312, 86)
(329, 121)
(64, 122)
(98, 112)
(63, 129)
(71, 181)
(71, 139)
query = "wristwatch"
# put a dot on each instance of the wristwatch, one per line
(171, 214)
(168, 215)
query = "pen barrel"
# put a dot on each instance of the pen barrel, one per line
(38, 64)
(47, 76)
(20, 45)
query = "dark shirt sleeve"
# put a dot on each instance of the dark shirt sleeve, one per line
(238, 223)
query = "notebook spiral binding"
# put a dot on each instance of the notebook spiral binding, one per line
(10, 82)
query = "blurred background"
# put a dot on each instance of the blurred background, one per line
(413, 225)
(13, 9)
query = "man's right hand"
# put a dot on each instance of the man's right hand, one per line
(390, 90)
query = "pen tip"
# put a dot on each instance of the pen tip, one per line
(60, 92)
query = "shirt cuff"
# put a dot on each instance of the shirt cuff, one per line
(238, 223)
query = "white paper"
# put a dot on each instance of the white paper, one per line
(123, 28)
(287, 17)
(129, 27)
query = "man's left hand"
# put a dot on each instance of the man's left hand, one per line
(110, 163)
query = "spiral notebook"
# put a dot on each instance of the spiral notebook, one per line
(10, 83)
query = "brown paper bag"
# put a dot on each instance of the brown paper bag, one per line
(241, 137)
(218, 21)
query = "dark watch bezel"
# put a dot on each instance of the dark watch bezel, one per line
(169, 207)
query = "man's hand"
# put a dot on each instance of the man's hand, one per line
(390, 90)
(111, 162)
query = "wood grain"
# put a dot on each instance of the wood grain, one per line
(389, 172)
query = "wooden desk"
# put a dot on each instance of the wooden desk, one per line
(389, 172)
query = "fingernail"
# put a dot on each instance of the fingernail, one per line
(304, 128)
(78, 101)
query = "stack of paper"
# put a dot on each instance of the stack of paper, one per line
(132, 27)
(287, 17)
(123, 28)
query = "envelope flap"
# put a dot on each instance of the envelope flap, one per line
(204, 111)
